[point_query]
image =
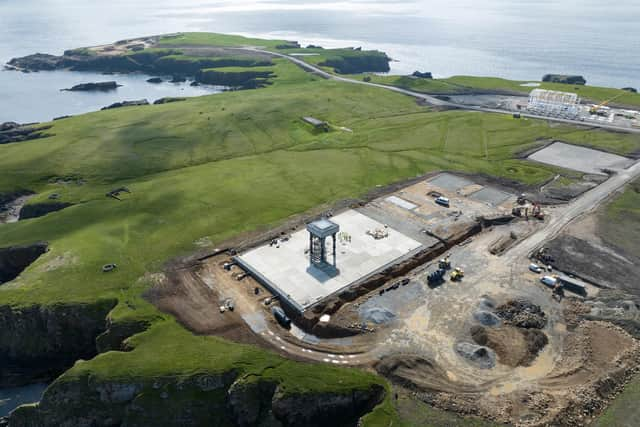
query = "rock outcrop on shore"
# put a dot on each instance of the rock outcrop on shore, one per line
(37, 343)
(126, 104)
(422, 75)
(564, 78)
(168, 99)
(98, 86)
(359, 62)
(15, 132)
(243, 79)
(156, 61)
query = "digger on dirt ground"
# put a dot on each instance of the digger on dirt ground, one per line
(445, 263)
(558, 292)
(457, 275)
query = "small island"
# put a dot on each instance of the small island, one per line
(90, 87)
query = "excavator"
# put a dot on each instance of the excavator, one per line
(445, 263)
(597, 109)
(456, 275)
(537, 212)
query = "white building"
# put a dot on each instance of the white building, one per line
(553, 103)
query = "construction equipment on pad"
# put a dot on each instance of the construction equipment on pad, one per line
(456, 275)
(600, 109)
(436, 277)
(445, 263)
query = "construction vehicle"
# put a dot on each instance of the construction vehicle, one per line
(535, 268)
(436, 277)
(456, 275)
(444, 263)
(537, 212)
(281, 317)
(600, 108)
(442, 201)
(543, 255)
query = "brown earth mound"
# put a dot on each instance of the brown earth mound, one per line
(513, 346)
(522, 314)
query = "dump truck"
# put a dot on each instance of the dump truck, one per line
(456, 275)
(281, 317)
(436, 277)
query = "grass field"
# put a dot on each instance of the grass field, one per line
(624, 411)
(215, 166)
(619, 224)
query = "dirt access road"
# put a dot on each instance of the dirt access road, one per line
(433, 100)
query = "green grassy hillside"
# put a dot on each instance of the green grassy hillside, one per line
(220, 165)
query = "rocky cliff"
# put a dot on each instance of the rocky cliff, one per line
(39, 342)
(223, 399)
(152, 61)
(358, 62)
(15, 132)
(36, 210)
(14, 259)
(244, 79)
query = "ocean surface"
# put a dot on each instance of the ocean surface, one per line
(518, 39)
(11, 398)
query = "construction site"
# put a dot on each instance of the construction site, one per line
(451, 286)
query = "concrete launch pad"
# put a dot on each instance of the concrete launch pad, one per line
(286, 269)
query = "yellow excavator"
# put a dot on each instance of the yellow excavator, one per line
(596, 109)
(456, 275)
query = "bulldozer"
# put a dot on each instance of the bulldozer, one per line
(456, 275)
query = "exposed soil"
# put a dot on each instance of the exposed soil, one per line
(196, 307)
(494, 345)
(513, 346)
(595, 262)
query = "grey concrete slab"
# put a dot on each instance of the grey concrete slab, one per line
(449, 182)
(288, 271)
(405, 204)
(581, 159)
(491, 195)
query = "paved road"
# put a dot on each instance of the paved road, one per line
(436, 101)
